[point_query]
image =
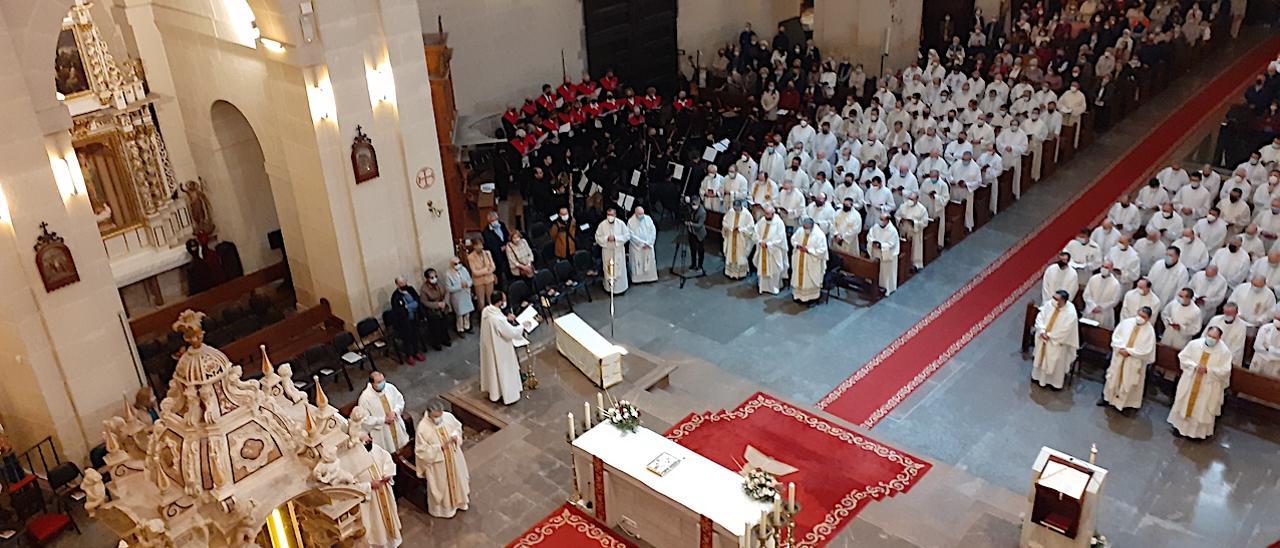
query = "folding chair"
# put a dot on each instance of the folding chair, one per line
(344, 345)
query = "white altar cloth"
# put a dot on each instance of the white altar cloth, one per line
(597, 358)
(697, 483)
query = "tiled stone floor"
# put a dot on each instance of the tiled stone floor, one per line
(978, 419)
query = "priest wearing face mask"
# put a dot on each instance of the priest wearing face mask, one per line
(382, 404)
(1057, 339)
(1133, 346)
(1168, 276)
(1255, 300)
(914, 217)
(381, 518)
(612, 236)
(1206, 373)
(1210, 289)
(1233, 332)
(1059, 276)
(1101, 295)
(1182, 320)
(883, 243)
(439, 459)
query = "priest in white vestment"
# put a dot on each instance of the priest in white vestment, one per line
(1181, 319)
(1268, 268)
(382, 404)
(764, 190)
(499, 365)
(966, 175)
(1233, 330)
(734, 186)
(1126, 216)
(612, 237)
(439, 459)
(790, 204)
(1105, 236)
(1138, 297)
(1151, 250)
(738, 229)
(1212, 230)
(845, 229)
(381, 518)
(1266, 349)
(1056, 341)
(883, 243)
(914, 217)
(1133, 346)
(642, 260)
(1210, 290)
(1206, 373)
(1192, 251)
(821, 212)
(1086, 256)
(1255, 300)
(1059, 276)
(1101, 295)
(710, 188)
(771, 252)
(1125, 262)
(1169, 276)
(1232, 262)
(808, 262)
(1012, 144)
(935, 195)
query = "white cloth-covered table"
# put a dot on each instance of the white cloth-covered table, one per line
(597, 358)
(663, 510)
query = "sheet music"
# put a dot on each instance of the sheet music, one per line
(583, 183)
(635, 177)
(722, 146)
(528, 319)
(677, 171)
(564, 128)
(709, 154)
(596, 189)
(626, 201)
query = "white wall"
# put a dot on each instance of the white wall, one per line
(709, 24)
(241, 166)
(504, 50)
(856, 29)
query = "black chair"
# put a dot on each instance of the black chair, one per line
(370, 336)
(396, 339)
(326, 364)
(519, 294)
(550, 292)
(565, 274)
(344, 345)
(232, 313)
(63, 479)
(588, 271)
(547, 255)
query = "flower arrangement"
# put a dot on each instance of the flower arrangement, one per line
(623, 415)
(1099, 541)
(760, 485)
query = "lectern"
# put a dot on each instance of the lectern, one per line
(1064, 497)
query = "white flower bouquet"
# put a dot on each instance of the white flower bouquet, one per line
(623, 415)
(761, 486)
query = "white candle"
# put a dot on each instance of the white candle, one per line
(764, 520)
(586, 413)
(791, 496)
(600, 401)
(572, 426)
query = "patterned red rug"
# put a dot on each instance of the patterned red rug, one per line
(840, 470)
(881, 384)
(569, 527)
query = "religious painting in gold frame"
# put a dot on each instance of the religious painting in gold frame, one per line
(364, 159)
(71, 79)
(54, 261)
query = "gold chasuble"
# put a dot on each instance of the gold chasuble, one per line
(1053, 318)
(800, 268)
(388, 412)
(1195, 386)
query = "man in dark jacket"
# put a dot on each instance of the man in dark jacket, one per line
(406, 314)
(697, 227)
(496, 235)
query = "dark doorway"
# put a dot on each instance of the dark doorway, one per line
(935, 23)
(635, 38)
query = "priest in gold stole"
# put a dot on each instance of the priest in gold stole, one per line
(1133, 346)
(1206, 373)
(381, 520)
(771, 251)
(808, 262)
(738, 228)
(1057, 338)
(439, 460)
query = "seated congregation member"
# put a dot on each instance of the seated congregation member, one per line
(809, 262)
(458, 281)
(771, 251)
(1101, 295)
(642, 259)
(1133, 346)
(1181, 319)
(1169, 276)
(1233, 331)
(1056, 341)
(520, 256)
(435, 302)
(738, 229)
(883, 243)
(1256, 301)
(1206, 373)
(406, 316)
(1266, 348)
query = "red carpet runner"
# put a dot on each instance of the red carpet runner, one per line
(568, 527)
(885, 381)
(839, 469)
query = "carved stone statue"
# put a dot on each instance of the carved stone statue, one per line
(328, 471)
(201, 211)
(94, 490)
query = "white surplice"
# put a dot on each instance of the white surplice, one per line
(642, 260)
(1059, 278)
(886, 253)
(1101, 295)
(1266, 351)
(499, 365)
(738, 229)
(1181, 323)
(771, 254)
(1198, 399)
(1126, 375)
(381, 519)
(613, 253)
(809, 265)
(1233, 335)
(846, 226)
(439, 458)
(378, 406)
(918, 214)
(1056, 339)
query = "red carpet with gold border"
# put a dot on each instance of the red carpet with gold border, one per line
(839, 470)
(569, 527)
(881, 384)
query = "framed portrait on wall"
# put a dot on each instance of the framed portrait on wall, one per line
(70, 77)
(54, 261)
(364, 159)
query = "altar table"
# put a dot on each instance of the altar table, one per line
(597, 358)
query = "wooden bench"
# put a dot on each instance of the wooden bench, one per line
(1027, 180)
(288, 338)
(931, 250)
(955, 223)
(865, 271)
(981, 206)
(1004, 191)
(1067, 148)
(1048, 158)
(160, 322)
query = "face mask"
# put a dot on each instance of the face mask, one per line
(1062, 264)
(438, 420)
(1234, 199)
(564, 217)
(847, 207)
(1233, 248)
(1142, 321)
(1211, 218)
(380, 386)
(1106, 272)
(1168, 261)
(1184, 301)
(433, 280)
(1168, 215)
(1230, 319)
(1253, 162)
(1210, 342)
(368, 446)
(612, 218)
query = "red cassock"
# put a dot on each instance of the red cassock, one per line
(529, 108)
(592, 110)
(547, 102)
(586, 88)
(683, 104)
(511, 116)
(577, 117)
(651, 102)
(567, 92)
(635, 120)
(609, 83)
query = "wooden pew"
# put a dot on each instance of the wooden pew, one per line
(1049, 158)
(288, 338)
(1068, 147)
(1027, 180)
(1004, 196)
(210, 302)
(865, 271)
(714, 241)
(931, 250)
(955, 223)
(1086, 128)
(981, 206)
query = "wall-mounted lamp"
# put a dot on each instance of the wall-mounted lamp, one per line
(435, 211)
(4, 209)
(382, 83)
(271, 45)
(67, 175)
(320, 97)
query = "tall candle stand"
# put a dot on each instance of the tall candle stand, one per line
(777, 529)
